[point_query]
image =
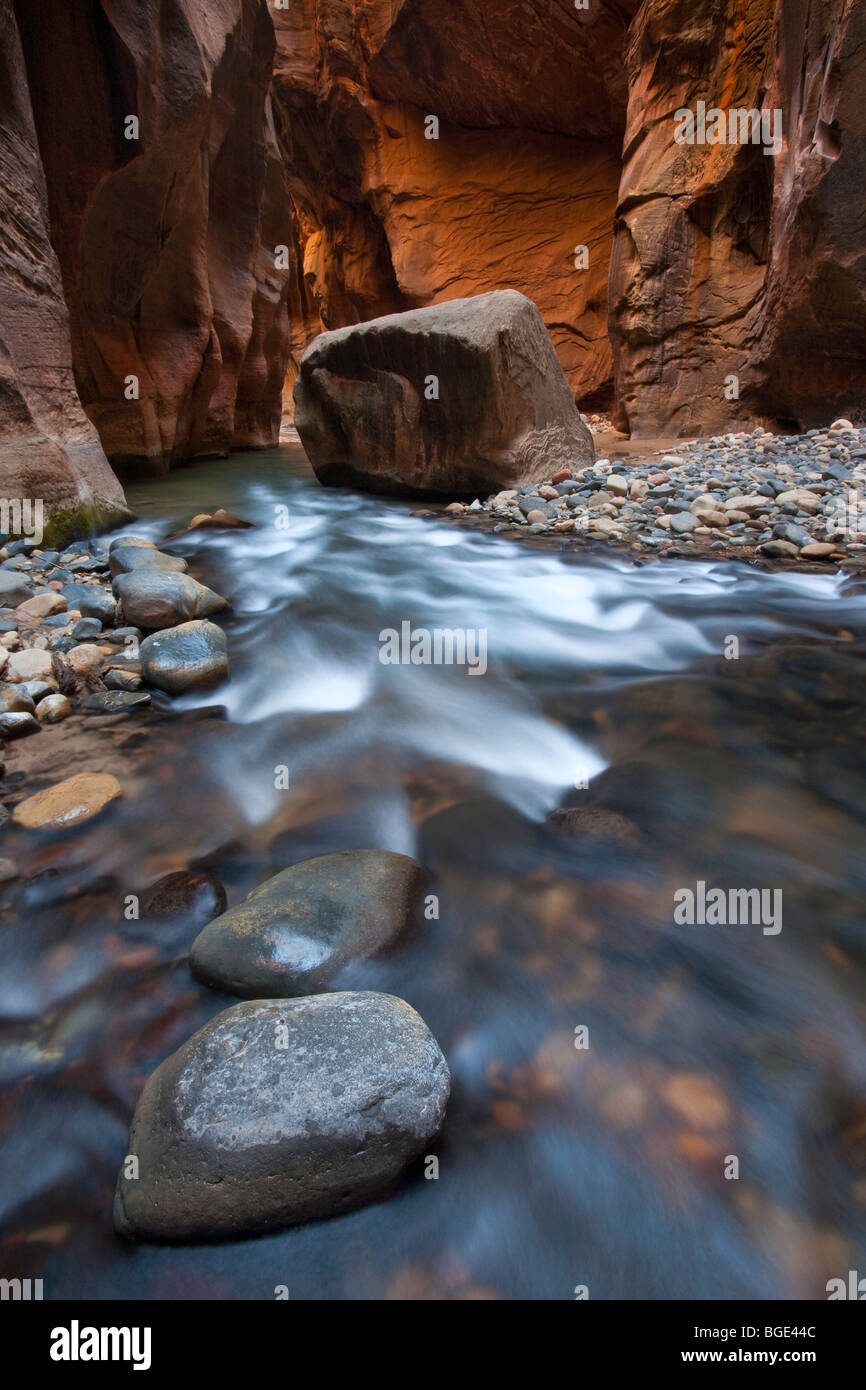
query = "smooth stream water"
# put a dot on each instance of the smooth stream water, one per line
(559, 1167)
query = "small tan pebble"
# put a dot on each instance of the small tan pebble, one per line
(456, 508)
(564, 526)
(52, 709)
(697, 1099)
(549, 494)
(11, 641)
(617, 484)
(818, 550)
(8, 871)
(84, 657)
(68, 803)
(202, 519)
(535, 516)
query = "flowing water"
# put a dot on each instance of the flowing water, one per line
(560, 1165)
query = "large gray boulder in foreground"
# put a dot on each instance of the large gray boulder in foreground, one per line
(459, 398)
(278, 1112)
(294, 932)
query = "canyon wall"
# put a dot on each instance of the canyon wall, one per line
(49, 451)
(529, 103)
(407, 152)
(165, 230)
(735, 271)
(737, 289)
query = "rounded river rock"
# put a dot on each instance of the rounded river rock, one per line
(278, 1112)
(294, 932)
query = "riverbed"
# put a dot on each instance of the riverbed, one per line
(605, 1165)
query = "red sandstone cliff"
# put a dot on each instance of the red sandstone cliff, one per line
(48, 450)
(728, 262)
(530, 100)
(164, 241)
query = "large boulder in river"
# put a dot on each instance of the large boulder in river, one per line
(152, 599)
(294, 932)
(191, 656)
(462, 397)
(278, 1112)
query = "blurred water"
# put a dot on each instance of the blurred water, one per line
(559, 1167)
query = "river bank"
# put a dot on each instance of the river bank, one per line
(784, 502)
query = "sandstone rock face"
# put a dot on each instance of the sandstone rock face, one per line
(462, 397)
(530, 98)
(48, 450)
(165, 240)
(278, 1112)
(729, 262)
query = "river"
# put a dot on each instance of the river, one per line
(604, 1167)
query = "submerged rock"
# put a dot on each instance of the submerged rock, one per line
(294, 932)
(278, 1112)
(185, 895)
(192, 656)
(67, 803)
(466, 396)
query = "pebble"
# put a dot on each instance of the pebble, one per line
(70, 802)
(297, 929)
(53, 709)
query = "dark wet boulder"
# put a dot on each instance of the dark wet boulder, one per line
(18, 725)
(91, 602)
(191, 656)
(185, 896)
(155, 600)
(126, 559)
(278, 1112)
(297, 929)
(463, 397)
